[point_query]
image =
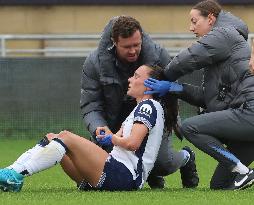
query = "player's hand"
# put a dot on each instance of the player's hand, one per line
(104, 129)
(103, 139)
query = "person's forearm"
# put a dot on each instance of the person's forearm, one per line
(120, 132)
(123, 142)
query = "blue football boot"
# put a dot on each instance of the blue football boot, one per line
(10, 180)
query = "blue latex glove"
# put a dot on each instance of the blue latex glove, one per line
(161, 87)
(106, 140)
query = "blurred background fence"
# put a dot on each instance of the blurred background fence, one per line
(78, 45)
(39, 95)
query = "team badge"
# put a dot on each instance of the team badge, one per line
(146, 109)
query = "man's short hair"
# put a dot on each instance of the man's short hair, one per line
(125, 27)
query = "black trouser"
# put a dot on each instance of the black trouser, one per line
(168, 160)
(233, 127)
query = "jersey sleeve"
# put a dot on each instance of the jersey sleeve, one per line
(146, 113)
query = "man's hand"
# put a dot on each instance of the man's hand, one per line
(162, 87)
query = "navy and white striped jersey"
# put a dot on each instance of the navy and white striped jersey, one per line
(140, 162)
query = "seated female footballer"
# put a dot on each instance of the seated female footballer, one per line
(126, 167)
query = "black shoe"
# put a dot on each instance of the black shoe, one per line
(243, 181)
(156, 182)
(188, 172)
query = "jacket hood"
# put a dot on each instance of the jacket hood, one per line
(226, 19)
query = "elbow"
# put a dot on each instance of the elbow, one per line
(127, 143)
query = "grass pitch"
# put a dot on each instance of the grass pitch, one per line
(54, 187)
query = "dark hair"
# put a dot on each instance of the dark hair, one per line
(168, 102)
(208, 7)
(125, 26)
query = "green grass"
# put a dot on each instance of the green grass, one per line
(54, 187)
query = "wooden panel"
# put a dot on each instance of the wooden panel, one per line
(92, 19)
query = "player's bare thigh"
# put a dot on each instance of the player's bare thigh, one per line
(87, 157)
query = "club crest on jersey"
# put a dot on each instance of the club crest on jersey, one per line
(145, 109)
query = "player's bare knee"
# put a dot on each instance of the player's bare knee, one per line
(65, 135)
(51, 136)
